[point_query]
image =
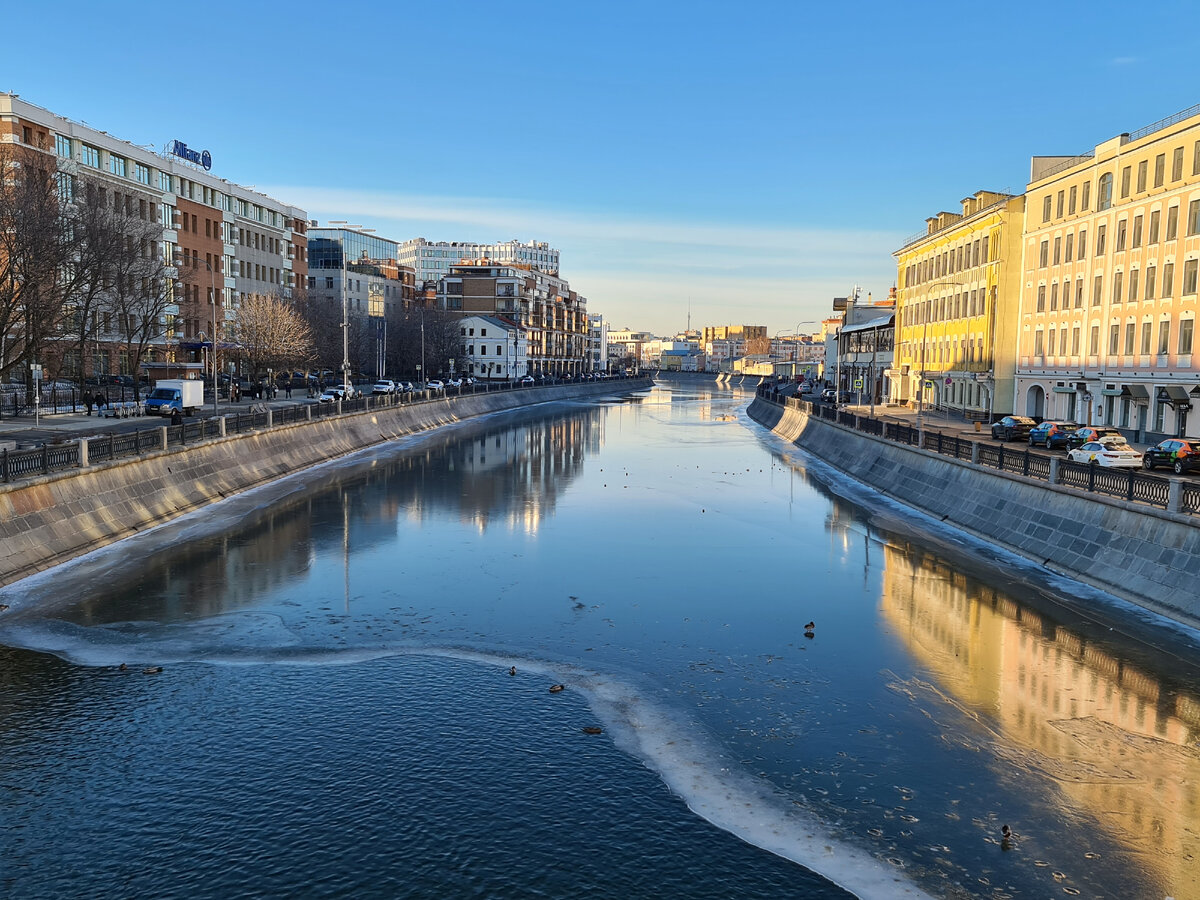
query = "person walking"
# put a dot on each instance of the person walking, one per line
(88, 401)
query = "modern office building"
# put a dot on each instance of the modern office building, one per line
(1109, 289)
(553, 316)
(226, 240)
(432, 260)
(958, 287)
(597, 343)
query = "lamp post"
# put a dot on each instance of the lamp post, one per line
(213, 300)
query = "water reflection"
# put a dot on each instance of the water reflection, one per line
(506, 473)
(1120, 741)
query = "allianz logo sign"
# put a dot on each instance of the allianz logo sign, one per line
(183, 151)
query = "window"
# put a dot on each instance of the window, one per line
(1062, 342)
(1125, 173)
(1041, 298)
(141, 173)
(1146, 326)
(1133, 284)
(116, 164)
(1168, 285)
(1043, 253)
(1193, 219)
(1172, 222)
(1114, 338)
(1154, 220)
(1046, 201)
(1141, 182)
(1118, 286)
(1177, 164)
(1071, 200)
(1150, 273)
(1130, 329)
(66, 186)
(1094, 341)
(1097, 290)
(1057, 250)
(1100, 233)
(1067, 251)
(329, 282)
(1104, 192)
(1059, 207)
(1196, 159)
(1075, 341)
(1038, 349)
(1136, 241)
(62, 146)
(1189, 277)
(1121, 227)
(89, 156)
(1185, 325)
(1164, 337)
(1082, 243)
(1054, 296)
(1086, 201)
(1079, 292)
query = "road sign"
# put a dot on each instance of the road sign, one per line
(858, 384)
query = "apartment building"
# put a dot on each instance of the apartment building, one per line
(432, 260)
(225, 240)
(597, 342)
(958, 290)
(495, 348)
(553, 315)
(1109, 285)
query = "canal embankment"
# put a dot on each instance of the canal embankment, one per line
(49, 519)
(1148, 556)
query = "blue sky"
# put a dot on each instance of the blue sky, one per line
(750, 161)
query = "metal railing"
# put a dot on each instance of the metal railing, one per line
(31, 462)
(1131, 485)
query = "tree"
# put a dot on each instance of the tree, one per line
(271, 334)
(141, 289)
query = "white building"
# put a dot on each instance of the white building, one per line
(598, 343)
(432, 259)
(494, 348)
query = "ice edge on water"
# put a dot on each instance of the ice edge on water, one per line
(717, 789)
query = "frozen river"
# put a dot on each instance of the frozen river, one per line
(335, 714)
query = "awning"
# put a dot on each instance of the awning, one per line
(1136, 391)
(1174, 394)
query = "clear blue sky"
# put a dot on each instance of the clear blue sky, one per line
(753, 160)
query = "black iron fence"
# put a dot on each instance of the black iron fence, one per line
(1133, 485)
(54, 457)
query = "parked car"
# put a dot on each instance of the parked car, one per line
(434, 385)
(1081, 436)
(405, 387)
(1110, 452)
(337, 392)
(1051, 433)
(1012, 428)
(454, 383)
(526, 379)
(384, 386)
(1178, 454)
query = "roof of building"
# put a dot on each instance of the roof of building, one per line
(870, 325)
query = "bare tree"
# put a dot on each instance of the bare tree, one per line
(141, 289)
(271, 334)
(33, 253)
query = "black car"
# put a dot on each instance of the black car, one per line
(1180, 455)
(1012, 428)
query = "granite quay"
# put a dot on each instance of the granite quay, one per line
(1035, 506)
(101, 497)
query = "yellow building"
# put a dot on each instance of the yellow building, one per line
(1108, 301)
(958, 291)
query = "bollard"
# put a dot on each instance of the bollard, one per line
(308, 411)
(1174, 495)
(270, 418)
(221, 426)
(975, 452)
(162, 437)
(83, 452)
(1053, 478)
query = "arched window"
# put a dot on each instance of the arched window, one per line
(1104, 191)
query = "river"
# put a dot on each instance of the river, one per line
(335, 712)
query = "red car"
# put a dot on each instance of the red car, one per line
(1081, 436)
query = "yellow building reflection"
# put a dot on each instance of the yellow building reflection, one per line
(1121, 744)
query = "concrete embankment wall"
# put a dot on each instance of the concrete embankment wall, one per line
(46, 521)
(1146, 556)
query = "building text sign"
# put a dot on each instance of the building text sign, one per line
(183, 151)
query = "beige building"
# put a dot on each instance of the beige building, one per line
(958, 291)
(1108, 300)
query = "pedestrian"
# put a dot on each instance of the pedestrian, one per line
(288, 390)
(88, 401)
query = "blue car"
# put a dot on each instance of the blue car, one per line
(1051, 434)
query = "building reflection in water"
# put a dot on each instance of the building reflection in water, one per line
(1119, 740)
(508, 473)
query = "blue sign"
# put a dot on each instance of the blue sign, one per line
(183, 151)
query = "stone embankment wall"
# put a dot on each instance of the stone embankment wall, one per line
(46, 521)
(1144, 555)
